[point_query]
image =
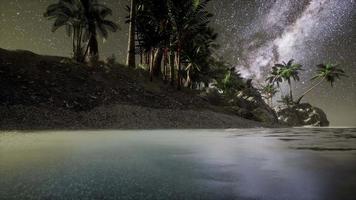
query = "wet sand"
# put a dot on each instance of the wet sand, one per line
(262, 164)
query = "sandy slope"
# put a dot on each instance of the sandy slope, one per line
(116, 117)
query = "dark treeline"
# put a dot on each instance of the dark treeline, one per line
(172, 40)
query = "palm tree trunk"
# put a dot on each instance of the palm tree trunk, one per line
(147, 59)
(179, 86)
(310, 89)
(188, 82)
(152, 63)
(74, 34)
(79, 44)
(131, 62)
(171, 63)
(76, 42)
(290, 90)
(86, 52)
(158, 62)
(165, 66)
(179, 79)
(141, 58)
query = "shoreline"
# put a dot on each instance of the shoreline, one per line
(120, 117)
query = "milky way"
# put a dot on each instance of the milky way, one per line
(253, 35)
(257, 34)
(284, 29)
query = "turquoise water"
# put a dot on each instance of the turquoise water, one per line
(294, 164)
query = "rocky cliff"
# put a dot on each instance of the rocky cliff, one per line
(302, 115)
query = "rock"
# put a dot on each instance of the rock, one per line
(302, 115)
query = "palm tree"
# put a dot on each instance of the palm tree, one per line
(164, 28)
(131, 61)
(289, 71)
(153, 33)
(193, 66)
(275, 78)
(69, 13)
(328, 72)
(197, 56)
(95, 14)
(83, 19)
(188, 18)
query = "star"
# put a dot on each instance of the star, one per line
(253, 35)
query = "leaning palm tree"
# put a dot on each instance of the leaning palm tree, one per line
(96, 23)
(289, 71)
(328, 72)
(70, 14)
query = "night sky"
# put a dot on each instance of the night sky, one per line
(253, 35)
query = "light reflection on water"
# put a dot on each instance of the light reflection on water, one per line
(190, 164)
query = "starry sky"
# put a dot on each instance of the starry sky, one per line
(253, 35)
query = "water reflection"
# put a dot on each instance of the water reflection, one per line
(200, 164)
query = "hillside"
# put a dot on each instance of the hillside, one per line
(42, 92)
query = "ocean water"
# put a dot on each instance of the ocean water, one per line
(246, 164)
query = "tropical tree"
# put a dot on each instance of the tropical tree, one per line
(275, 77)
(83, 19)
(187, 18)
(95, 15)
(289, 71)
(197, 56)
(326, 72)
(70, 14)
(153, 33)
(177, 32)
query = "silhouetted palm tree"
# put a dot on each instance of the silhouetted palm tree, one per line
(69, 13)
(153, 33)
(187, 18)
(326, 72)
(171, 30)
(83, 19)
(197, 55)
(275, 77)
(96, 23)
(289, 71)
